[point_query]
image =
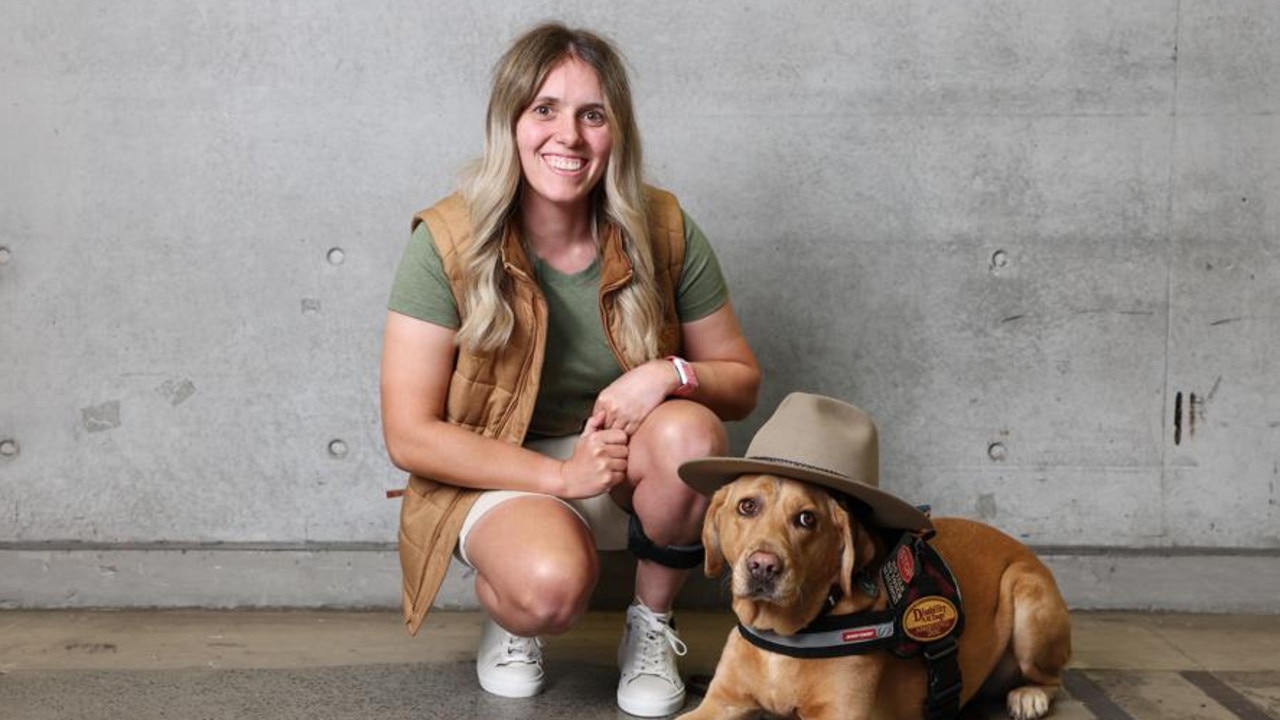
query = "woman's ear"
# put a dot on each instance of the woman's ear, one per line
(714, 564)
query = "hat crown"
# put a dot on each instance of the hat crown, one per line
(820, 433)
(819, 440)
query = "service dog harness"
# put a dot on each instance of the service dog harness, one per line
(924, 617)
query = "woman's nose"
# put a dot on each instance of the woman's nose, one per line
(567, 131)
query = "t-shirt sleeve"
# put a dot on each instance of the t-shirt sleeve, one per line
(702, 288)
(420, 289)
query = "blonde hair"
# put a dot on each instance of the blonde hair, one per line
(492, 190)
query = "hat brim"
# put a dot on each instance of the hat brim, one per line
(707, 475)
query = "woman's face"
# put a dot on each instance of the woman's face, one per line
(563, 137)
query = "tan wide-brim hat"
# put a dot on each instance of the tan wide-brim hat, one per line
(819, 440)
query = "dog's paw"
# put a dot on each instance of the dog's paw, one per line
(1029, 702)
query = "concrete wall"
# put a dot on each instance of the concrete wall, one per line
(1038, 241)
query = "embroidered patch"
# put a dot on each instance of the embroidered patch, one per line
(859, 635)
(891, 572)
(930, 618)
(906, 564)
(893, 583)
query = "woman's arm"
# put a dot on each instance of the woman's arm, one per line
(728, 375)
(417, 364)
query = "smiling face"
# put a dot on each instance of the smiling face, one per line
(563, 137)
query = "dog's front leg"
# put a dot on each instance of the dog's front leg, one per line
(841, 688)
(711, 709)
(732, 694)
(721, 703)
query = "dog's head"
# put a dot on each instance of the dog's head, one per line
(787, 543)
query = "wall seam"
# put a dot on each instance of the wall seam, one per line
(1170, 257)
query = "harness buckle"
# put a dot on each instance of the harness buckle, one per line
(944, 682)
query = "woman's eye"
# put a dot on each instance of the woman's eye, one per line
(594, 117)
(542, 111)
(806, 519)
(748, 507)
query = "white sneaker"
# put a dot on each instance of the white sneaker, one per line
(508, 665)
(650, 684)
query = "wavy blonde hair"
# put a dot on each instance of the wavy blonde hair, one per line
(492, 192)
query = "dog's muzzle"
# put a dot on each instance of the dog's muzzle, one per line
(763, 570)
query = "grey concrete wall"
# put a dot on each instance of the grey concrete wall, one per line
(1038, 241)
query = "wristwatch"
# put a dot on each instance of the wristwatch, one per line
(688, 378)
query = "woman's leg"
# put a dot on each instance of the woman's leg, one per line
(536, 565)
(670, 512)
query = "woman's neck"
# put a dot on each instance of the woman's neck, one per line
(563, 237)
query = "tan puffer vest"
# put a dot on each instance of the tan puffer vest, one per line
(494, 395)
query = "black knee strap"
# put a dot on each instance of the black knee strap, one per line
(680, 557)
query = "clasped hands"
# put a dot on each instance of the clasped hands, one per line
(599, 460)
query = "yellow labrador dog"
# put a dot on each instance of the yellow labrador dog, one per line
(805, 534)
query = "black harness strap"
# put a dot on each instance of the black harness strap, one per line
(942, 701)
(924, 592)
(830, 636)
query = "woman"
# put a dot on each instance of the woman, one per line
(559, 340)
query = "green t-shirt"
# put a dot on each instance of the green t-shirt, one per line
(578, 363)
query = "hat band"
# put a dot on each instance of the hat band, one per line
(800, 465)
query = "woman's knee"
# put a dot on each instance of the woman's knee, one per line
(669, 511)
(552, 595)
(682, 430)
(536, 565)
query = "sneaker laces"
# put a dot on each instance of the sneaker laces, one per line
(655, 639)
(521, 650)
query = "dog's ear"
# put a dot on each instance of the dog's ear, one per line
(845, 528)
(857, 546)
(714, 564)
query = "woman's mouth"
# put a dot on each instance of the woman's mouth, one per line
(564, 163)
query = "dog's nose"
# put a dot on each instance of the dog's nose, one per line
(764, 566)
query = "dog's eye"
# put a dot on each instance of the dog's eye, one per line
(748, 507)
(806, 519)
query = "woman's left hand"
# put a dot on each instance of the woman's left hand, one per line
(627, 401)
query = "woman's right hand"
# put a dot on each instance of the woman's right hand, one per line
(598, 463)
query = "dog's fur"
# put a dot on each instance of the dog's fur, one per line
(1016, 639)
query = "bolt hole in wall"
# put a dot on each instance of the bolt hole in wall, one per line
(336, 256)
(4, 255)
(9, 448)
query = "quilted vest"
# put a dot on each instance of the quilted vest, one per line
(494, 394)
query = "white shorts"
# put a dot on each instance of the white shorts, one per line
(607, 521)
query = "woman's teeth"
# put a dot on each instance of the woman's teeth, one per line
(564, 163)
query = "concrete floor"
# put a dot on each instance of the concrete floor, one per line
(180, 665)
